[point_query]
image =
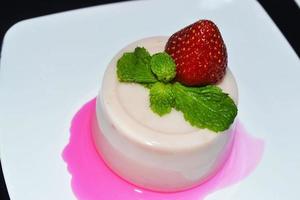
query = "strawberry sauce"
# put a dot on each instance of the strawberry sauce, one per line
(93, 180)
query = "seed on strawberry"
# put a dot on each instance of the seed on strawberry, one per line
(199, 53)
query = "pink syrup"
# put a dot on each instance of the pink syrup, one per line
(93, 180)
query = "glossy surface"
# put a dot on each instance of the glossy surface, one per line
(141, 146)
(52, 65)
(93, 180)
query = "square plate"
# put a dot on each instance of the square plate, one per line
(52, 65)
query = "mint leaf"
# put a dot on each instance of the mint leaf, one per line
(205, 107)
(142, 54)
(161, 98)
(135, 67)
(163, 67)
(147, 85)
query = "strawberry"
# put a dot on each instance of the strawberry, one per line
(199, 53)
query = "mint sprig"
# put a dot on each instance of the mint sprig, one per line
(161, 98)
(163, 66)
(135, 67)
(204, 107)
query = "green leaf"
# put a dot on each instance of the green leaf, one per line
(161, 98)
(163, 67)
(205, 107)
(135, 67)
(147, 85)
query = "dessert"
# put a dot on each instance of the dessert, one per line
(157, 132)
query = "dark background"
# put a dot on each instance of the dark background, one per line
(285, 14)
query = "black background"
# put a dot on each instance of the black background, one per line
(285, 14)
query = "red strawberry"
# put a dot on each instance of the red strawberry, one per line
(199, 53)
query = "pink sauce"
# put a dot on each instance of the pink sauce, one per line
(93, 180)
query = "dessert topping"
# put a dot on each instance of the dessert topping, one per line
(203, 107)
(163, 67)
(135, 67)
(195, 56)
(199, 53)
(161, 98)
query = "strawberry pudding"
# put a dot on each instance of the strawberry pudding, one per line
(156, 131)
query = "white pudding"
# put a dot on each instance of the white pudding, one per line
(158, 153)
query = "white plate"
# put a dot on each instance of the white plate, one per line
(52, 65)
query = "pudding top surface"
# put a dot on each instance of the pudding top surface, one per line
(128, 103)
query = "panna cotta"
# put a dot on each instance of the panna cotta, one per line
(158, 153)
